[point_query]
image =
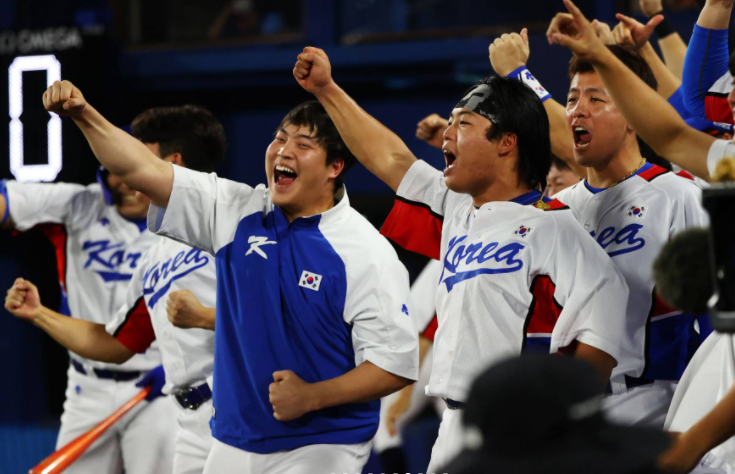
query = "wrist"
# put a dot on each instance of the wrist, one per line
(664, 28)
(523, 75)
(314, 396)
(327, 91)
(696, 444)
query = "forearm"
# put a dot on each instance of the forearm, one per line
(603, 362)
(667, 82)
(674, 51)
(715, 15)
(207, 318)
(89, 340)
(715, 428)
(668, 134)
(126, 157)
(364, 383)
(381, 151)
(561, 139)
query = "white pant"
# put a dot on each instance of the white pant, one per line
(141, 442)
(450, 441)
(419, 400)
(646, 405)
(314, 459)
(193, 439)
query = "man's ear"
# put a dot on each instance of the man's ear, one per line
(176, 159)
(507, 143)
(336, 167)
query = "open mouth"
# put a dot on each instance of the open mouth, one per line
(284, 176)
(582, 137)
(450, 159)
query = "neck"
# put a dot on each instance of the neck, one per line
(614, 170)
(501, 190)
(319, 207)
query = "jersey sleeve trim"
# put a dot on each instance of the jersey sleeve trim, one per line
(430, 331)
(653, 172)
(553, 205)
(543, 312)
(136, 331)
(408, 220)
(57, 235)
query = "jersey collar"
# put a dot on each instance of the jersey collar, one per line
(335, 214)
(595, 190)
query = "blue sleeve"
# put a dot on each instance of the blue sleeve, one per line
(706, 61)
(677, 101)
(4, 193)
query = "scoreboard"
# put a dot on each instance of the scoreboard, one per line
(36, 145)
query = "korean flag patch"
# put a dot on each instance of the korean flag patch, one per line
(637, 212)
(310, 280)
(523, 231)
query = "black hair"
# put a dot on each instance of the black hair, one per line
(190, 130)
(632, 60)
(560, 164)
(312, 114)
(517, 109)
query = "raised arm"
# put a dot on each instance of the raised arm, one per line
(655, 121)
(672, 46)
(381, 151)
(85, 338)
(715, 15)
(508, 56)
(119, 152)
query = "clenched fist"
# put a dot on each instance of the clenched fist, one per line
(290, 396)
(509, 52)
(431, 130)
(64, 99)
(22, 300)
(313, 71)
(185, 311)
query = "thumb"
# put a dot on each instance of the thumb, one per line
(564, 40)
(280, 375)
(524, 36)
(654, 22)
(72, 103)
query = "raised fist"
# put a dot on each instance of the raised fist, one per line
(313, 71)
(22, 300)
(431, 130)
(509, 52)
(64, 99)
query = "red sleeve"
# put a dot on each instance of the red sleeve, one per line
(414, 227)
(136, 332)
(717, 109)
(430, 330)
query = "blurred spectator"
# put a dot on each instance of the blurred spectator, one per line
(560, 177)
(541, 413)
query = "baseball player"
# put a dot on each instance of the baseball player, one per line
(631, 208)
(100, 237)
(313, 319)
(519, 273)
(171, 294)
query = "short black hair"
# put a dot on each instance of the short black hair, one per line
(560, 164)
(313, 115)
(189, 129)
(632, 60)
(518, 110)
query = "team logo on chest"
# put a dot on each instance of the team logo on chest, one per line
(255, 244)
(310, 280)
(159, 277)
(465, 261)
(636, 212)
(110, 261)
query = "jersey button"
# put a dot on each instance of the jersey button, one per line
(587, 226)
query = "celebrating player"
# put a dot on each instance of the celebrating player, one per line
(100, 236)
(518, 272)
(169, 282)
(668, 135)
(313, 320)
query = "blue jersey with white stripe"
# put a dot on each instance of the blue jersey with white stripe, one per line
(317, 296)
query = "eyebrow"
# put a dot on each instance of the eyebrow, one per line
(589, 89)
(464, 112)
(300, 135)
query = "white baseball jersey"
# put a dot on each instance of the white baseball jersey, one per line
(187, 354)
(514, 277)
(423, 296)
(317, 296)
(631, 222)
(97, 251)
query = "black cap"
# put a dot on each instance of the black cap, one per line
(545, 412)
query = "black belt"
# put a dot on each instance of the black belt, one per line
(631, 382)
(453, 405)
(116, 375)
(192, 398)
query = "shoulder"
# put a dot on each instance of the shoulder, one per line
(677, 189)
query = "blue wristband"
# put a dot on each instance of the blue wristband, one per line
(524, 75)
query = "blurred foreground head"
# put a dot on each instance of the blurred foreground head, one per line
(542, 413)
